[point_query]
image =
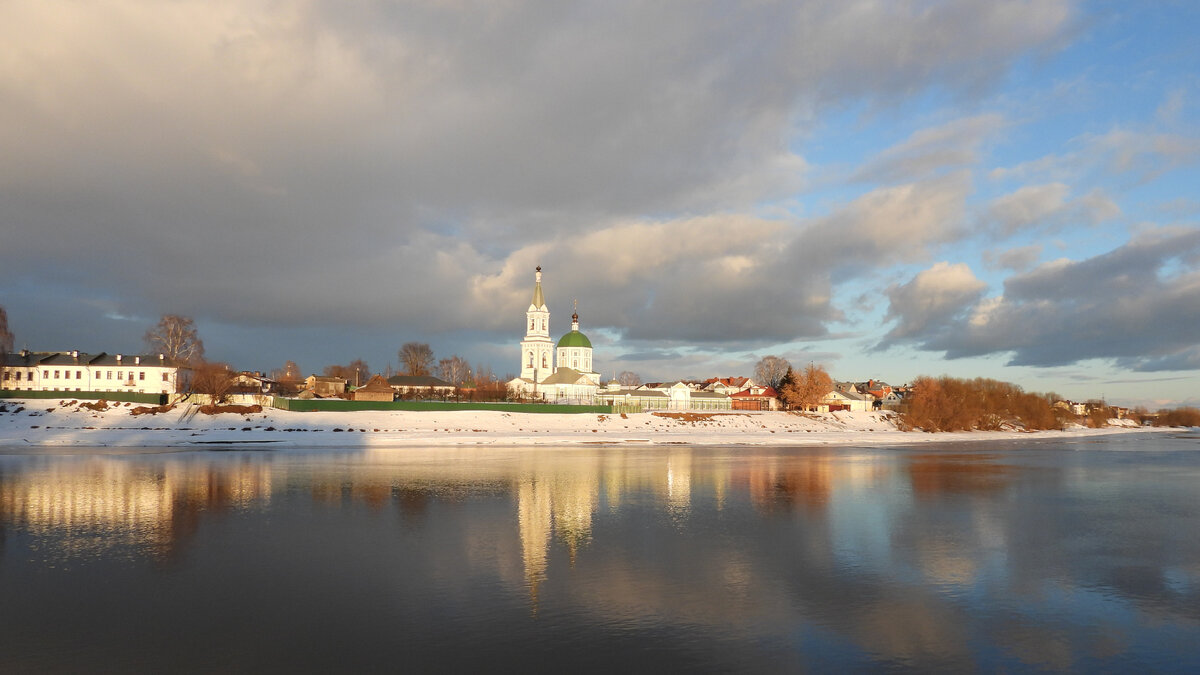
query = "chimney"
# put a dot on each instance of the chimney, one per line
(161, 357)
(75, 354)
(118, 358)
(137, 360)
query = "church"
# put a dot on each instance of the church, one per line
(552, 372)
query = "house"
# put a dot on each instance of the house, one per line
(103, 372)
(376, 389)
(420, 386)
(732, 385)
(758, 398)
(847, 399)
(325, 386)
(254, 382)
(664, 396)
(567, 385)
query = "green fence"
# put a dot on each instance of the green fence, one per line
(340, 405)
(124, 396)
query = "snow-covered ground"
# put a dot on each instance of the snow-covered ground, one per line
(55, 423)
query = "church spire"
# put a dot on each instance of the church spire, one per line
(575, 317)
(539, 301)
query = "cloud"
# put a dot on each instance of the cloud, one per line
(953, 145)
(389, 167)
(1138, 305)
(1016, 259)
(1047, 208)
(931, 299)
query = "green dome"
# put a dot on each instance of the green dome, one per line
(575, 339)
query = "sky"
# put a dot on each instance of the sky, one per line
(890, 188)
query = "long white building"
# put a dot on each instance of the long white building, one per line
(77, 371)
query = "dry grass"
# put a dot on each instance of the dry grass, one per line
(235, 409)
(695, 416)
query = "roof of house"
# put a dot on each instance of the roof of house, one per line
(769, 392)
(147, 360)
(635, 393)
(376, 383)
(568, 376)
(417, 381)
(74, 358)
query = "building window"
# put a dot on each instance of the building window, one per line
(120, 375)
(79, 375)
(165, 377)
(56, 374)
(141, 375)
(109, 375)
(18, 376)
(45, 374)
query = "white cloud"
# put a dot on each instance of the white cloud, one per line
(931, 298)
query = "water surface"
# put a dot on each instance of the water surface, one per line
(1060, 556)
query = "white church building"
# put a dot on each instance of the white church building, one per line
(552, 372)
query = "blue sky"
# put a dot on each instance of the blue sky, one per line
(891, 189)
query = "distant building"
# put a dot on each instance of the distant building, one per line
(421, 386)
(325, 386)
(664, 396)
(376, 389)
(103, 372)
(757, 398)
(561, 372)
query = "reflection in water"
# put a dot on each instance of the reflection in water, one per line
(701, 558)
(86, 507)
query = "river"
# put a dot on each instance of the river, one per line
(1074, 555)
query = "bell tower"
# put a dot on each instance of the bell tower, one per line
(537, 349)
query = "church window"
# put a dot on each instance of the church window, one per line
(544, 361)
(530, 359)
(543, 324)
(531, 323)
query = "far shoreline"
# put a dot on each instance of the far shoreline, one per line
(42, 424)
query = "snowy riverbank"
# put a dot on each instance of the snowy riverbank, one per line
(53, 423)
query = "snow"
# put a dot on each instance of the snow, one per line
(52, 423)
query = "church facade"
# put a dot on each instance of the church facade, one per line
(550, 371)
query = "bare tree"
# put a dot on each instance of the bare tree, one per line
(628, 378)
(290, 373)
(215, 379)
(416, 358)
(175, 336)
(769, 371)
(454, 370)
(361, 372)
(6, 336)
(357, 373)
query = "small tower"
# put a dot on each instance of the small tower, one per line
(537, 349)
(575, 349)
